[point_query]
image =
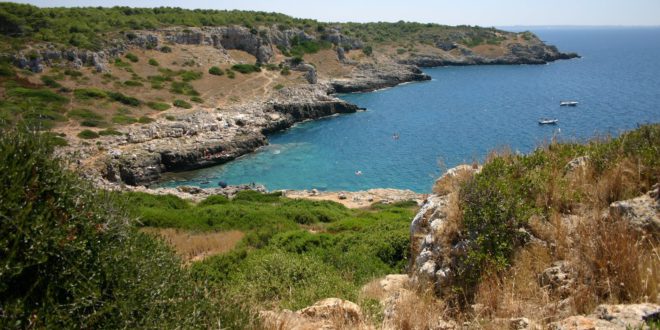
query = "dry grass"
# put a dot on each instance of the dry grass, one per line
(197, 246)
(616, 263)
(517, 292)
(609, 260)
(418, 311)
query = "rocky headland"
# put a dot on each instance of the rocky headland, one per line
(208, 135)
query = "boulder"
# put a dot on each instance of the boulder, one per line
(643, 212)
(560, 278)
(311, 76)
(330, 313)
(614, 317)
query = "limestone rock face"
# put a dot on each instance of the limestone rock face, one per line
(428, 253)
(610, 317)
(560, 278)
(200, 139)
(369, 77)
(643, 212)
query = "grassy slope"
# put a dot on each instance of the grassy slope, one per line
(157, 83)
(332, 249)
(564, 208)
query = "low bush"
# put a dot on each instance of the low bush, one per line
(159, 106)
(190, 75)
(123, 99)
(50, 81)
(89, 93)
(246, 68)
(70, 249)
(88, 134)
(216, 71)
(73, 73)
(109, 132)
(123, 119)
(145, 120)
(153, 62)
(182, 104)
(133, 83)
(132, 57)
(197, 99)
(184, 88)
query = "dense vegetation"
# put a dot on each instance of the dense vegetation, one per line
(512, 189)
(73, 257)
(295, 251)
(81, 27)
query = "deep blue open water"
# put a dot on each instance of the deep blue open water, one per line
(459, 116)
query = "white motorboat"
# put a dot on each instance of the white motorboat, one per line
(568, 103)
(548, 121)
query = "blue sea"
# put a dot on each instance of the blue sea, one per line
(461, 115)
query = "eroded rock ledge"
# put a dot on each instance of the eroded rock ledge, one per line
(207, 137)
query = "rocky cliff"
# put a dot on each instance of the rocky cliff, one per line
(205, 137)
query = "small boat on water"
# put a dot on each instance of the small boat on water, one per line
(568, 103)
(548, 121)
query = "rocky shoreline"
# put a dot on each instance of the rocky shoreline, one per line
(203, 137)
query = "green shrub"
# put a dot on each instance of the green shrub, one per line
(166, 49)
(92, 123)
(271, 67)
(368, 50)
(181, 104)
(294, 281)
(73, 73)
(123, 119)
(230, 74)
(109, 132)
(132, 57)
(214, 200)
(216, 71)
(182, 87)
(285, 71)
(246, 68)
(88, 134)
(121, 64)
(50, 81)
(6, 70)
(70, 249)
(159, 106)
(89, 93)
(190, 75)
(133, 83)
(123, 99)
(36, 95)
(278, 87)
(145, 120)
(153, 62)
(197, 99)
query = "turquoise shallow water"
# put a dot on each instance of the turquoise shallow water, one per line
(459, 116)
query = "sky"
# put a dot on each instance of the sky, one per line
(454, 12)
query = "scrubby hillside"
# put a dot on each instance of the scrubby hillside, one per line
(76, 257)
(547, 235)
(139, 81)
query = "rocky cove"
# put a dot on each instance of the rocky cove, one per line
(204, 137)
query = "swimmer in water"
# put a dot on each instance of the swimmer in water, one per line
(358, 172)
